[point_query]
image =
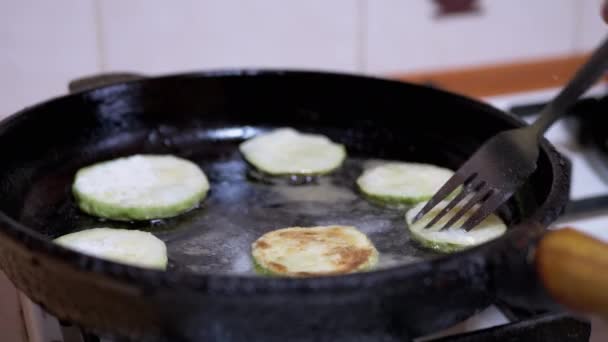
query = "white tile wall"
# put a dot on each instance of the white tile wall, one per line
(158, 36)
(591, 28)
(407, 35)
(42, 45)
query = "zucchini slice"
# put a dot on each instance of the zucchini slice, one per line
(132, 247)
(313, 251)
(140, 187)
(452, 239)
(286, 151)
(402, 183)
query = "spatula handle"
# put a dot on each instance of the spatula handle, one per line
(584, 78)
(573, 267)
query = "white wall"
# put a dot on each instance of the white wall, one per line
(158, 36)
(44, 44)
(404, 37)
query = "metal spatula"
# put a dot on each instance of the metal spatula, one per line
(505, 161)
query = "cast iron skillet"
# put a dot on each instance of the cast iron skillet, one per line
(209, 292)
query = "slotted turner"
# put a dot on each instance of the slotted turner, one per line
(504, 162)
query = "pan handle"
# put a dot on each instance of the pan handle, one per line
(100, 80)
(573, 267)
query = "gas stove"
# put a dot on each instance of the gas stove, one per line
(588, 212)
(539, 328)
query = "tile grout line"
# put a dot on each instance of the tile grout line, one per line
(361, 32)
(98, 18)
(576, 36)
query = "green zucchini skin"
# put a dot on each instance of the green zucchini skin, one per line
(441, 247)
(98, 208)
(126, 246)
(398, 184)
(393, 201)
(453, 239)
(267, 174)
(313, 251)
(174, 186)
(260, 270)
(256, 149)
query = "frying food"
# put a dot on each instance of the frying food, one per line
(286, 151)
(314, 251)
(402, 183)
(452, 239)
(132, 247)
(140, 187)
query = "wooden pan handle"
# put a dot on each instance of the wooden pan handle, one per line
(574, 269)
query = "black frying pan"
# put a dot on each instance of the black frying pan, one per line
(210, 291)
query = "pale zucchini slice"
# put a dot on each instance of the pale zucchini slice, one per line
(402, 182)
(131, 247)
(140, 187)
(286, 151)
(313, 251)
(452, 239)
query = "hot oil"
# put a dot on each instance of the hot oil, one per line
(239, 209)
(216, 237)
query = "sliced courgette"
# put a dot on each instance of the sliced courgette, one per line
(452, 239)
(313, 251)
(140, 187)
(286, 151)
(132, 247)
(402, 182)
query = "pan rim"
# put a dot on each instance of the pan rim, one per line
(27, 238)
